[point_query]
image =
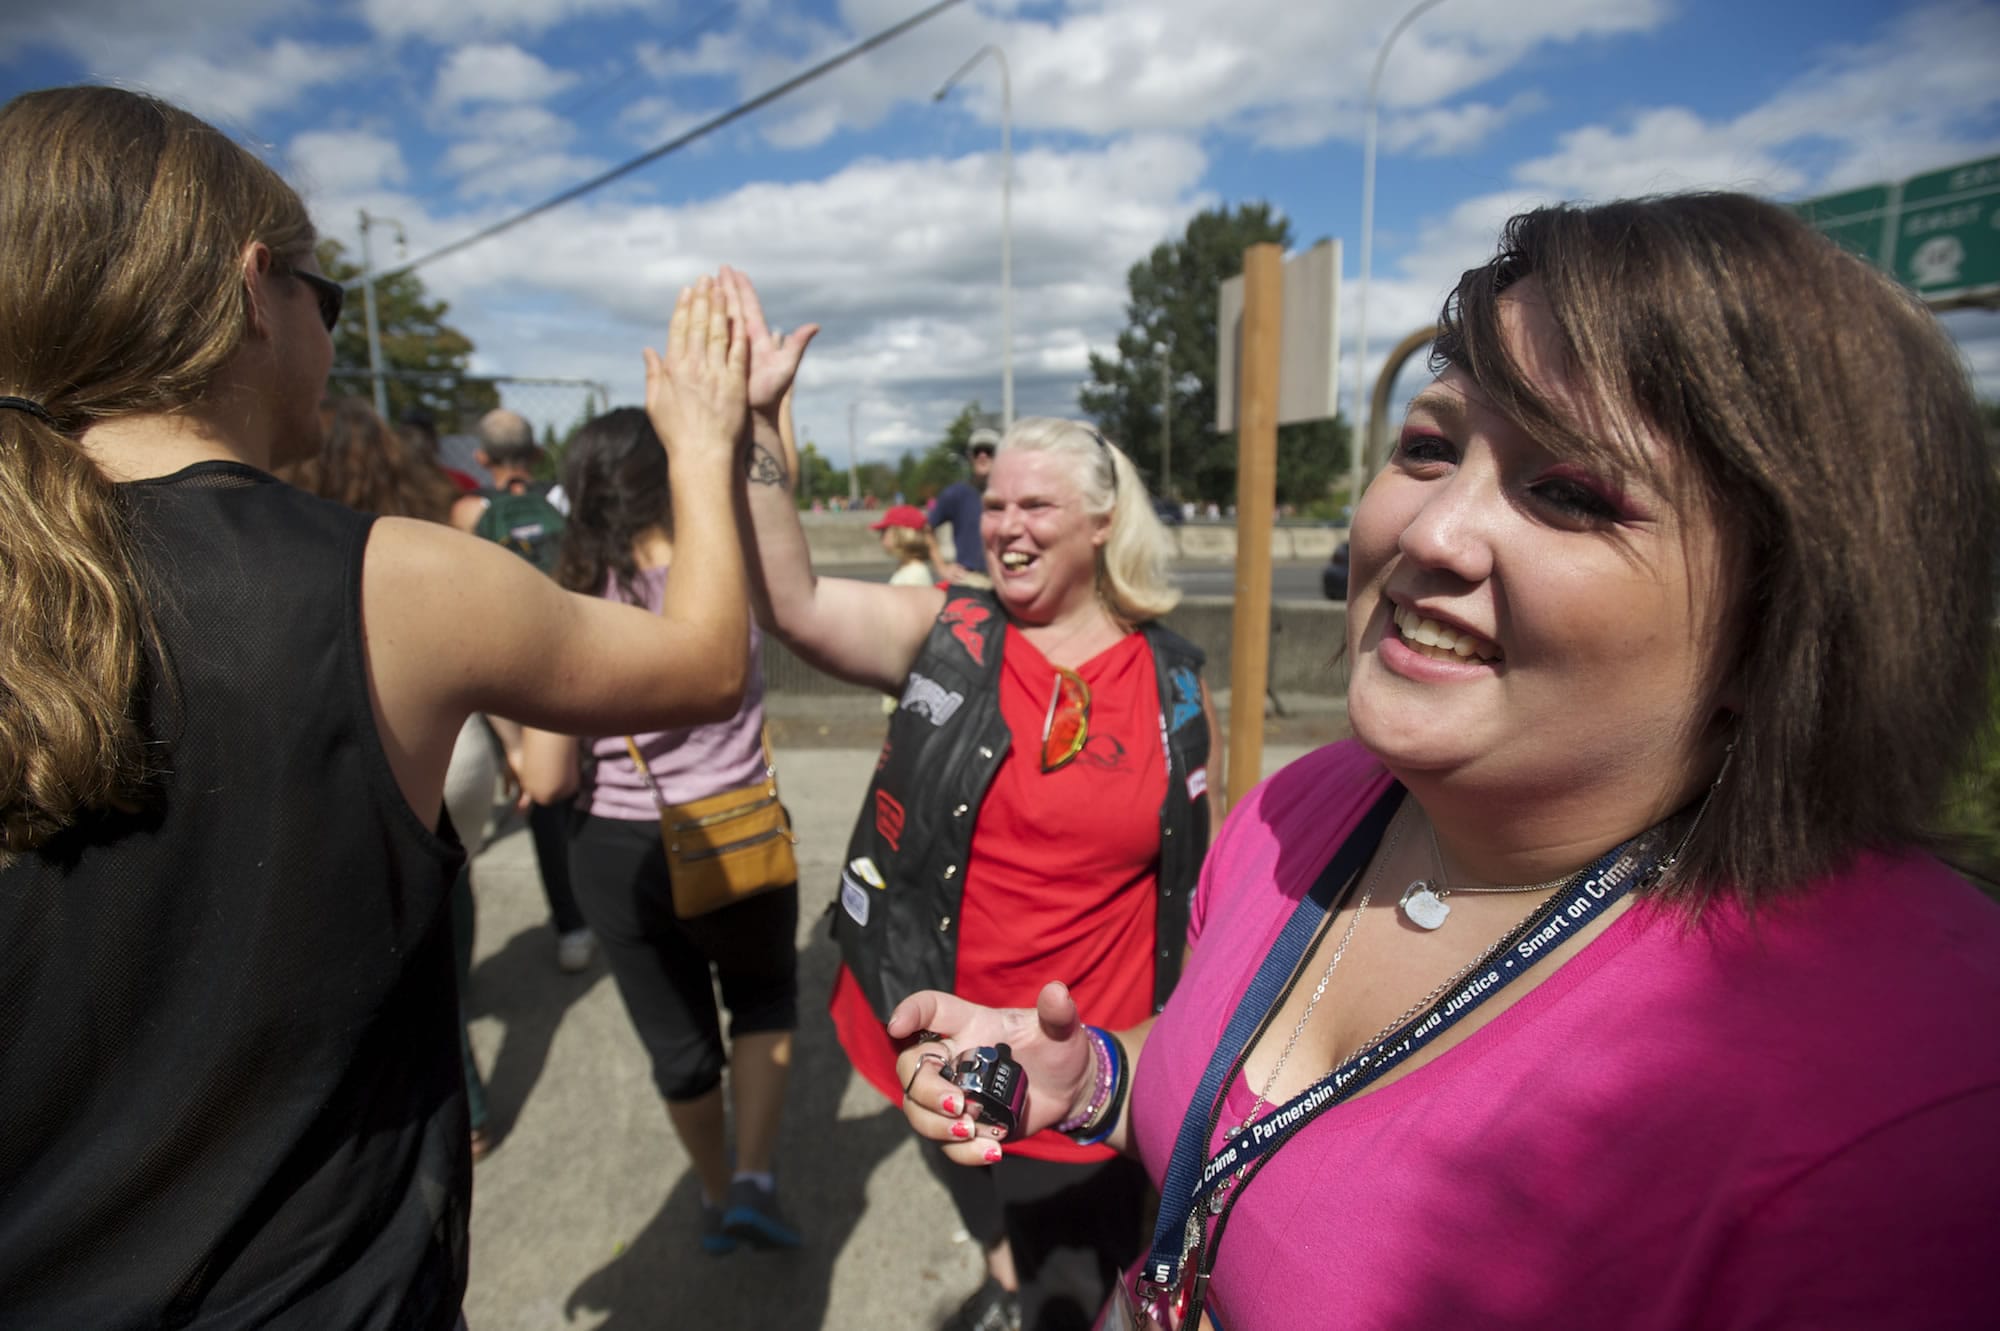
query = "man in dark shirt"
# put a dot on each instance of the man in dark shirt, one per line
(959, 504)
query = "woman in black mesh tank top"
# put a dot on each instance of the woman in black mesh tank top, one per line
(228, 1050)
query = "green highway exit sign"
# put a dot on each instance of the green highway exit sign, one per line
(1938, 233)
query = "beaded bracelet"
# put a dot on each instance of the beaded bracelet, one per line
(1101, 1060)
(1100, 1120)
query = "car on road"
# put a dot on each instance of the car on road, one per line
(1167, 510)
(1333, 578)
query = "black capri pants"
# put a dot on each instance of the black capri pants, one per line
(661, 964)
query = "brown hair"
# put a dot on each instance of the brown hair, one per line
(123, 222)
(365, 465)
(615, 474)
(1829, 431)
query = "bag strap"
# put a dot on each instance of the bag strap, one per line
(639, 760)
(653, 787)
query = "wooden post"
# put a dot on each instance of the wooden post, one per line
(1256, 497)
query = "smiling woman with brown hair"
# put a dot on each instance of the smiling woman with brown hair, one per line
(1603, 978)
(228, 1032)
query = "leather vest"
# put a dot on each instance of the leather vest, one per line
(896, 918)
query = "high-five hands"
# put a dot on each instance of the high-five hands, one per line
(1047, 1040)
(774, 357)
(697, 392)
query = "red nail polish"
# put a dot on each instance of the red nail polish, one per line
(962, 1131)
(993, 1155)
(949, 1104)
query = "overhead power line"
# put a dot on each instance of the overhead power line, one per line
(707, 127)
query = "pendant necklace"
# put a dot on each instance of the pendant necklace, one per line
(1220, 1196)
(1325, 976)
(1423, 904)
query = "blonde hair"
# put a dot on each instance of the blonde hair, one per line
(910, 545)
(123, 222)
(1132, 563)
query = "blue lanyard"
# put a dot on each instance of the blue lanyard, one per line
(1188, 1185)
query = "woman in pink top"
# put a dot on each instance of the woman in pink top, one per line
(1602, 979)
(619, 543)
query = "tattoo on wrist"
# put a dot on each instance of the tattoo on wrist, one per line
(765, 468)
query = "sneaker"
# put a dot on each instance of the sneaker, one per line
(575, 949)
(715, 1240)
(753, 1216)
(992, 1307)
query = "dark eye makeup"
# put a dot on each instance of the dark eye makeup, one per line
(1564, 488)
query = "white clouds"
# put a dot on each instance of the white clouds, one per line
(200, 54)
(496, 73)
(450, 20)
(329, 162)
(898, 259)
(1286, 73)
(1129, 115)
(522, 149)
(1668, 148)
(1915, 98)
(1437, 130)
(238, 88)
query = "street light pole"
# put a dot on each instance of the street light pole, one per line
(1165, 351)
(368, 303)
(853, 461)
(1358, 447)
(1006, 221)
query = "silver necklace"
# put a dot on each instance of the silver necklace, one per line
(1325, 976)
(1423, 904)
(1396, 1023)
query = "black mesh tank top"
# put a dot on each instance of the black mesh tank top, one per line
(230, 1092)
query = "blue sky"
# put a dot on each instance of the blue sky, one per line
(860, 203)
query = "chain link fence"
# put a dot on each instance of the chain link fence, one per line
(455, 402)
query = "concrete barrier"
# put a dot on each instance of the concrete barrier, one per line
(1315, 543)
(844, 538)
(1305, 635)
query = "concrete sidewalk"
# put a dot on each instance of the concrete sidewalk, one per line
(585, 1214)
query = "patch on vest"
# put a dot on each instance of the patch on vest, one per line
(1187, 696)
(963, 617)
(930, 699)
(889, 819)
(1197, 783)
(854, 900)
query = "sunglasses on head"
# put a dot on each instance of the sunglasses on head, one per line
(1067, 725)
(329, 293)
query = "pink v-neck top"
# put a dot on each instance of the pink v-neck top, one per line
(1791, 1121)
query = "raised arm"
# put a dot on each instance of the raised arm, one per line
(863, 632)
(454, 624)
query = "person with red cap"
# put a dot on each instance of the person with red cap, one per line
(906, 537)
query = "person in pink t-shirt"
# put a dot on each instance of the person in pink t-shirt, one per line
(1603, 979)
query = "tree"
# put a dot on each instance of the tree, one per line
(1174, 296)
(817, 478)
(921, 475)
(415, 338)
